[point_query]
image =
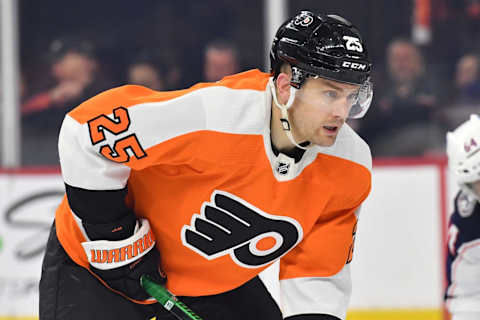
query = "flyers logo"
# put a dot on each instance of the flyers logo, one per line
(230, 225)
(304, 19)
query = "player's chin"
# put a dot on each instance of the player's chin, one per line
(324, 141)
(325, 138)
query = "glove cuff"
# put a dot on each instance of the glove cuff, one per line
(106, 255)
(113, 231)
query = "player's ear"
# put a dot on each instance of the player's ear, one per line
(283, 86)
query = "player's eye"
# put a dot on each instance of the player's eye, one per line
(332, 94)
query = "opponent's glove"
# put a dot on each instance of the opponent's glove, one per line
(121, 263)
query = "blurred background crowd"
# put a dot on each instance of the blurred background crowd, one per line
(426, 76)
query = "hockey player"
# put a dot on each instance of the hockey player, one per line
(219, 180)
(463, 260)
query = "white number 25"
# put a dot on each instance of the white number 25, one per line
(353, 44)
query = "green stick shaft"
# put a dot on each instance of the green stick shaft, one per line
(167, 299)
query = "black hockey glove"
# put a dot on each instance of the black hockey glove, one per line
(121, 263)
(126, 279)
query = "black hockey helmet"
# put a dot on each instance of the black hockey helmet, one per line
(318, 45)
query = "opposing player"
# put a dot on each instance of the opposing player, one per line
(220, 180)
(463, 260)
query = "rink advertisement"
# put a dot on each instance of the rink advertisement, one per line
(27, 207)
(399, 241)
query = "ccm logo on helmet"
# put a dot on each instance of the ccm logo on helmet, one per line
(228, 225)
(354, 65)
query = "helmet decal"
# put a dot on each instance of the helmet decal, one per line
(304, 19)
(353, 43)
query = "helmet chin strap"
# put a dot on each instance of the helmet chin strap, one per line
(284, 109)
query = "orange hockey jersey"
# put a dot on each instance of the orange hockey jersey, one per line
(200, 167)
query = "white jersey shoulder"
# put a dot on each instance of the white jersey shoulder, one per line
(238, 111)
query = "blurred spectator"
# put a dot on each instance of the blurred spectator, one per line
(467, 82)
(75, 76)
(74, 71)
(156, 69)
(403, 122)
(221, 59)
(146, 74)
(465, 97)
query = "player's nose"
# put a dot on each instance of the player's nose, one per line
(341, 109)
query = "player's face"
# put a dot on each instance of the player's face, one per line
(320, 109)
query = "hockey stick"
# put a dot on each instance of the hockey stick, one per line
(168, 300)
